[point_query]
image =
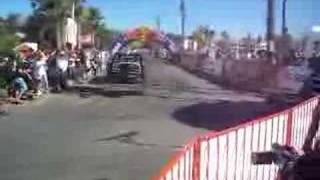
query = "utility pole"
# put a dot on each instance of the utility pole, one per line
(284, 17)
(270, 25)
(183, 17)
(158, 23)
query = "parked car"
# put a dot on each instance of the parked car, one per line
(126, 67)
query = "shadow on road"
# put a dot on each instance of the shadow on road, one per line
(103, 87)
(109, 93)
(120, 137)
(222, 115)
(99, 80)
(130, 139)
(87, 91)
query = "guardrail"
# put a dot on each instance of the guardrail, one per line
(226, 155)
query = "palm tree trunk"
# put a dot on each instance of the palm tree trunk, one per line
(79, 34)
(59, 35)
(73, 10)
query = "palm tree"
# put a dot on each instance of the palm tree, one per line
(93, 18)
(204, 35)
(55, 11)
(13, 22)
(78, 13)
(210, 36)
(224, 42)
(225, 35)
(89, 20)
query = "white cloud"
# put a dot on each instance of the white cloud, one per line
(316, 29)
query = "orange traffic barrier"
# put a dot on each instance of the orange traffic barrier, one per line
(226, 155)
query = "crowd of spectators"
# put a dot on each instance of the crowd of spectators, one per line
(39, 71)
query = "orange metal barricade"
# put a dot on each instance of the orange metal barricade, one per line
(181, 165)
(301, 118)
(227, 154)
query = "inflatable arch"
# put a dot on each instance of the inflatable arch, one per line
(142, 37)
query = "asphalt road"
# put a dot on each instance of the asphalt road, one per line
(123, 137)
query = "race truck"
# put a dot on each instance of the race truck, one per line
(126, 68)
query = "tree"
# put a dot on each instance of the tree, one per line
(248, 39)
(90, 21)
(203, 35)
(91, 18)
(103, 36)
(224, 42)
(40, 28)
(13, 22)
(259, 39)
(225, 35)
(48, 18)
(248, 42)
(8, 38)
(54, 11)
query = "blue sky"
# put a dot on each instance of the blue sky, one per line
(236, 16)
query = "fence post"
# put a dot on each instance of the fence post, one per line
(196, 160)
(289, 128)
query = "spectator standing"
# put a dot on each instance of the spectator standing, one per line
(72, 65)
(40, 73)
(61, 71)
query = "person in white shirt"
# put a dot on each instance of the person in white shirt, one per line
(72, 65)
(40, 73)
(61, 70)
(62, 61)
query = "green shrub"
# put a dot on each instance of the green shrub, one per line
(3, 82)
